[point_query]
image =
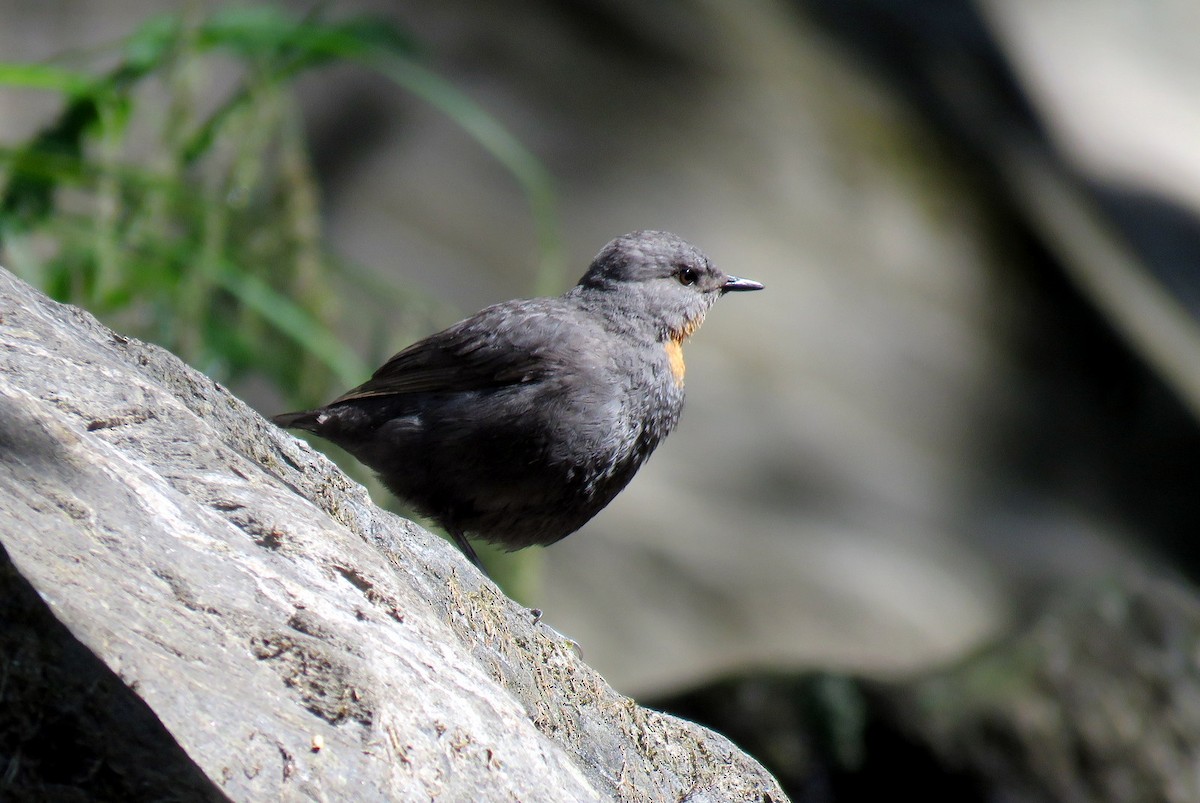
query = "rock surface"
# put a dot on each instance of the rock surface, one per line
(275, 635)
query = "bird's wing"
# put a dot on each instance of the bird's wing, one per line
(502, 345)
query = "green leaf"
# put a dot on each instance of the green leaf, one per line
(255, 33)
(46, 77)
(293, 321)
(28, 197)
(150, 46)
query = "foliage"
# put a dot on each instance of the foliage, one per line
(195, 223)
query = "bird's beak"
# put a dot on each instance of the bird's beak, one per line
(734, 284)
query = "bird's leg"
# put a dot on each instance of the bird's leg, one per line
(465, 547)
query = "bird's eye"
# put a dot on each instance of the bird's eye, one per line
(688, 276)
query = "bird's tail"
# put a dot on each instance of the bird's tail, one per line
(306, 419)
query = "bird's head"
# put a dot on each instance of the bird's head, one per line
(657, 280)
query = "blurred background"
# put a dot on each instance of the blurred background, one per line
(971, 383)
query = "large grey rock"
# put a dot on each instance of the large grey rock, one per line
(277, 636)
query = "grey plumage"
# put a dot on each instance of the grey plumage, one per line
(520, 423)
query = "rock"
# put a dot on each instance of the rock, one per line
(220, 612)
(1097, 699)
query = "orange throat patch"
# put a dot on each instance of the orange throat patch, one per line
(675, 360)
(674, 347)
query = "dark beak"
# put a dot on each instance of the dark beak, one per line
(734, 284)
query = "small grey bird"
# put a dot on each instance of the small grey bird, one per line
(520, 423)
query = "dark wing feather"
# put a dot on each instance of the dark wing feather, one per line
(502, 345)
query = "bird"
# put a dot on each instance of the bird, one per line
(520, 423)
